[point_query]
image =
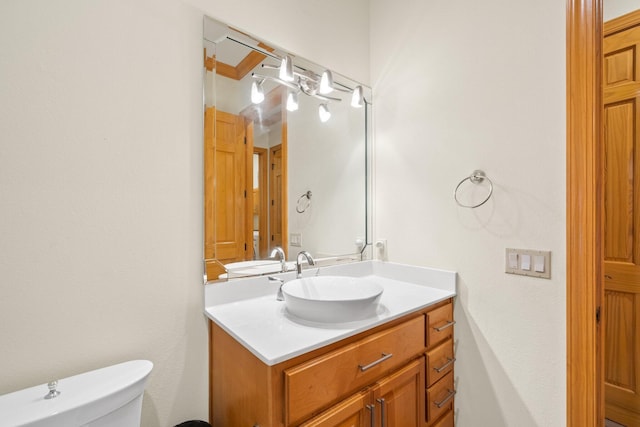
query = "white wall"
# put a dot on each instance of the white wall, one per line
(614, 8)
(471, 85)
(101, 183)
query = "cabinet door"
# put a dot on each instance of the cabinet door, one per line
(399, 398)
(352, 412)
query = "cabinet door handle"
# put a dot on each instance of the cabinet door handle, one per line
(443, 327)
(384, 357)
(372, 409)
(446, 365)
(446, 399)
(383, 423)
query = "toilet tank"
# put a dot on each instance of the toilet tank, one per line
(106, 397)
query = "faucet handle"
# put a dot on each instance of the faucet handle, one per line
(279, 295)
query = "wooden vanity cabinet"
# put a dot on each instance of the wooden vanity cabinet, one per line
(380, 373)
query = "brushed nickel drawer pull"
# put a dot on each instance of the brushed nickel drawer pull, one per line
(383, 423)
(443, 327)
(446, 399)
(372, 409)
(372, 364)
(446, 365)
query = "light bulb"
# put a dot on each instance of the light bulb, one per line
(257, 93)
(326, 83)
(286, 69)
(357, 99)
(292, 101)
(324, 113)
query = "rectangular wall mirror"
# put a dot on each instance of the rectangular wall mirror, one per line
(286, 158)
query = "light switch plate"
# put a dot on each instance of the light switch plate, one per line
(531, 262)
(295, 239)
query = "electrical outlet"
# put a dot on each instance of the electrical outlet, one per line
(381, 249)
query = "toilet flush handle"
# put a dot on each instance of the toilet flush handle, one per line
(52, 390)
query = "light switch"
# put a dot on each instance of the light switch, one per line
(526, 262)
(538, 263)
(513, 260)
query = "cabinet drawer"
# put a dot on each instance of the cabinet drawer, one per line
(439, 324)
(321, 381)
(446, 421)
(439, 361)
(440, 397)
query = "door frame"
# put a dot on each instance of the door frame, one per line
(584, 292)
(263, 200)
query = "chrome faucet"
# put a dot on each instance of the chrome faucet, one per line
(278, 253)
(303, 254)
(279, 294)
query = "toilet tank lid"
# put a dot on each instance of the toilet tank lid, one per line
(83, 397)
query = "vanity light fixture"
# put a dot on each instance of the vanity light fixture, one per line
(286, 69)
(326, 82)
(298, 79)
(324, 113)
(292, 101)
(257, 92)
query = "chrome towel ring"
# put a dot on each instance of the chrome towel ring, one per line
(304, 202)
(476, 177)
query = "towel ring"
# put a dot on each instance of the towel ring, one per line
(304, 202)
(476, 177)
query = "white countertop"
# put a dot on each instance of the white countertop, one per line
(247, 309)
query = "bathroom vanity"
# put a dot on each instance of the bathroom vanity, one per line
(268, 368)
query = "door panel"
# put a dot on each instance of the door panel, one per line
(620, 173)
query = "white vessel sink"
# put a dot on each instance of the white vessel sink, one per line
(332, 299)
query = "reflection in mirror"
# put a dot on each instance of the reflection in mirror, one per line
(286, 162)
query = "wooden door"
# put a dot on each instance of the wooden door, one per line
(276, 196)
(622, 225)
(352, 412)
(228, 201)
(399, 399)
